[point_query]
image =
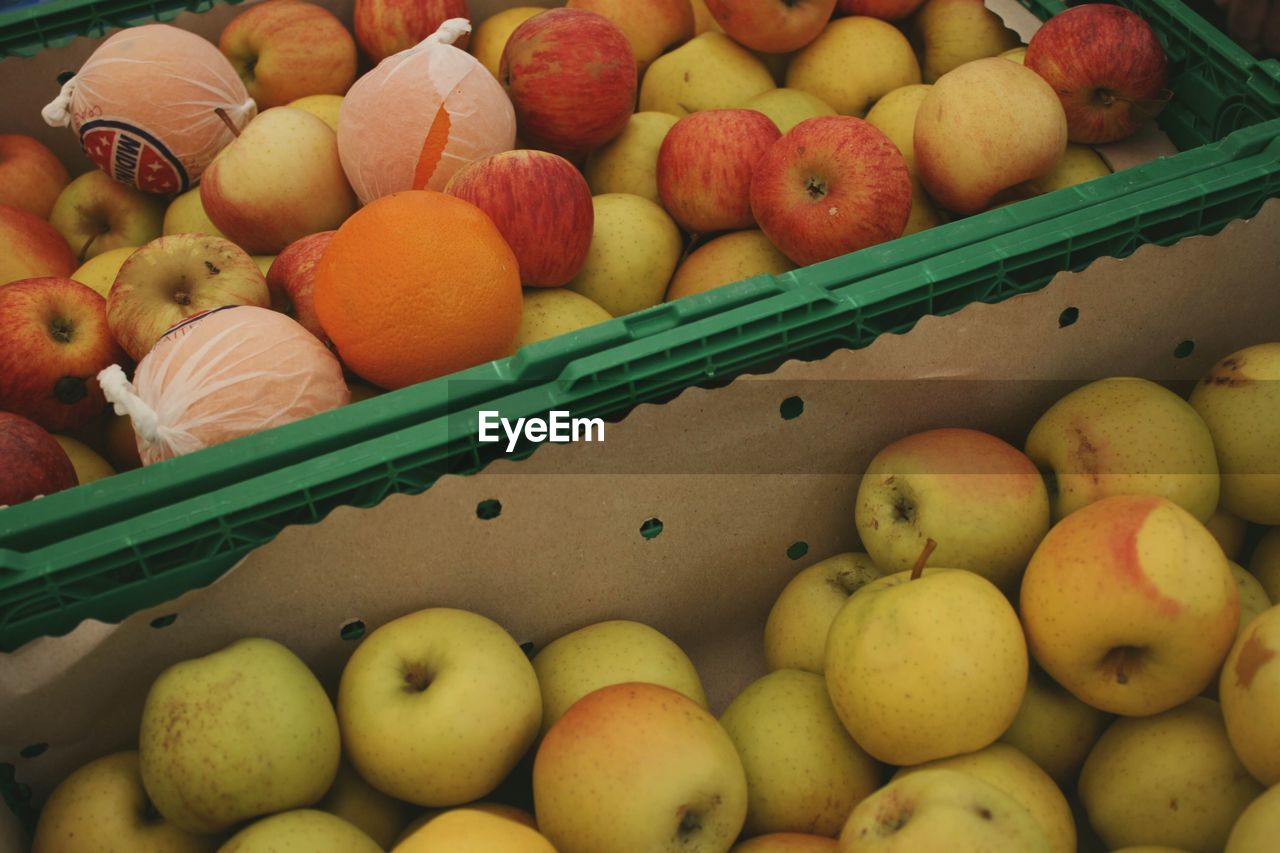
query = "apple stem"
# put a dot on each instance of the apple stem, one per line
(226, 119)
(918, 569)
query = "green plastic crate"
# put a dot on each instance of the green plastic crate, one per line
(110, 548)
(27, 30)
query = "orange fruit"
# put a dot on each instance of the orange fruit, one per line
(415, 285)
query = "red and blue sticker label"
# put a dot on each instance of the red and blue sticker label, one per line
(133, 156)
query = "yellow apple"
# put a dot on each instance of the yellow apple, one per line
(1168, 779)
(88, 464)
(788, 107)
(977, 497)
(185, 215)
(96, 214)
(491, 34)
(1055, 729)
(1253, 596)
(378, 816)
(1129, 603)
(651, 28)
(231, 761)
(102, 808)
(1229, 530)
(629, 164)
(409, 700)
(954, 32)
(1249, 689)
(1125, 436)
(304, 829)
(895, 116)
(924, 215)
(635, 767)
(804, 772)
(605, 653)
(1079, 163)
(1265, 563)
(786, 842)
(709, 72)
(795, 634)
(635, 246)
(936, 810)
(926, 668)
(853, 63)
(473, 831)
(1240, 401)
(323, 107)
(549, 312)
(99, 272)
(1015, 774)
(501, 810)
(726, 259)
(1258, 826)
(985, 127)
(1017, 54)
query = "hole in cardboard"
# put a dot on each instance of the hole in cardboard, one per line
(528, 648)
(352, 630)
(1068, 316)
(486, 510)
(164, 621)
(796, 550)
(651, 528)
(1184, 349)
(33, 750)
(791, 408)
(64, 76)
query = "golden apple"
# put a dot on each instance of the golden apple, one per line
(185, 215)
(549, 312)
(377, 815)
(726, 259)
(635, 246)
(954, 32)
(629, 164)
(99, 272)
(473, 831)
(788, 107)
(304, 829)
(323, 107)
(1265, 563)
(853, 63)
(1258, 826)
(709, 72)
(795, 634)
(1055, 729)
(1249, 689)
(490, 35)
(1079, 163)
(88, 464)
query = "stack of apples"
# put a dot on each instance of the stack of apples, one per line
(673, 146)
(1029, 635)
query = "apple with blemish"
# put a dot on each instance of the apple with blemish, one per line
(705, 168)
(638, 767)
(709, 72)
(978, 497)
(1249, 689)
(772, 26)
(571, 76)
(541, 205)
(54, 339)
(277, 182)
(291, 279)
(1107, 67)
(1125, 436)
(175, 277)
(31, 176)
(284, 50)
(831, 185)
(31, 247)
(384, 27)
(1130, 604)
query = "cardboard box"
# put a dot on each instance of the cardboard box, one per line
(734, 484)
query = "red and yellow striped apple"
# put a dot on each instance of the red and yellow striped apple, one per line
(31, 247)
(31, 176)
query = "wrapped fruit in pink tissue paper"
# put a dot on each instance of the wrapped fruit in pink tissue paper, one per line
(222, 374)
(421, 115)
(144, 106)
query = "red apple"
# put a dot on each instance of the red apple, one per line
(571, 77)
(31, 176)
(833, 184)
(54, 339)
(176, 277)
(31, 247)
(772, 26)
(705, 166)
(885, 10)
(289, 49)
(290, 280)
(542, 207)
(31, 462)
(384, 27)
(1107, 67)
